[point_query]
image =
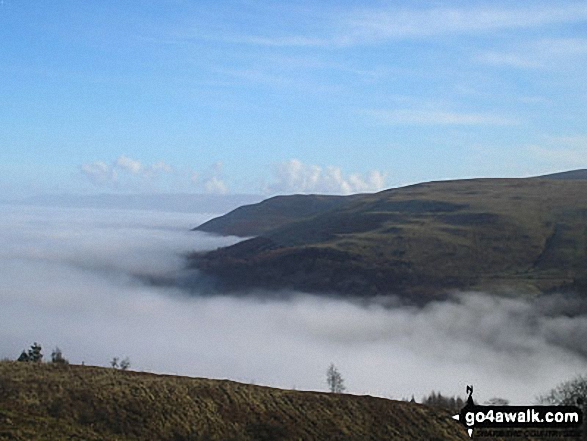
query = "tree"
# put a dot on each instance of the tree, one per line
(567, 393)
(453, 404)
(334, 380)
(125, 364)
(35, 354)
(57, 357)
(114, 363)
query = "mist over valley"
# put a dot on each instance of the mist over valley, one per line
(78, 278)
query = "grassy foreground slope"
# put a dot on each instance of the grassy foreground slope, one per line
(523, 235)
(52, 402)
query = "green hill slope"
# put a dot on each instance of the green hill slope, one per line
(527, 235)
(49, 402)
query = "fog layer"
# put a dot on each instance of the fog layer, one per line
(74, 278)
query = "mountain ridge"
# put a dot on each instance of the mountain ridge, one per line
(419, 242)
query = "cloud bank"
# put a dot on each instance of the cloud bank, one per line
(75, 278)
(126, 174)
(101, 173)
(291, 176)
(294, 176)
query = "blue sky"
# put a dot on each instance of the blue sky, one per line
(282, 97)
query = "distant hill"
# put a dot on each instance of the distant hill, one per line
(567, 175)
(53, 402)
(421, 241)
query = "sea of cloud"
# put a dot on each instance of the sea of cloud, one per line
(76, 278)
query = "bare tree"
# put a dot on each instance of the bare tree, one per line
(57, 357)
(334, 380)
(436, 399)
(567, 393)
(125, 364)
(117, 363)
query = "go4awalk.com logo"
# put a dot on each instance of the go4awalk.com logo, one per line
(520, 420)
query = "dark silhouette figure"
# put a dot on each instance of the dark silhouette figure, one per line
(470, 397)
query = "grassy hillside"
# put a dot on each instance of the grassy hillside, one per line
(527, 235)
(54, 402)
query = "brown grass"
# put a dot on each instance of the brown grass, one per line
(50, 402)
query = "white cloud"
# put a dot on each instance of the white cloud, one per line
(509, 59)
(373, 25)
(129, 174)
(433, 117)
(375, 181)
(130, 165)
(156, 170)
(161, 167)
(134, 167)
(99, 173)
(125, 171)
(299, 41)
(212, 179)
(215, 185)
(547, 52)
(294, 176)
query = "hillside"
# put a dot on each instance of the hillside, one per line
(53, 402)
(275, 212)
(421, 241)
